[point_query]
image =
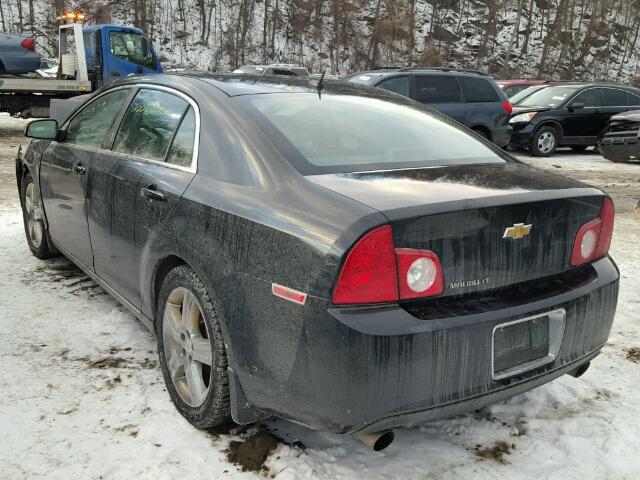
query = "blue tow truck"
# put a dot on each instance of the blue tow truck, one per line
(89, 57)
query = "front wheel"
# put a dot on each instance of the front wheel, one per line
(34, 227)
(544, 142)
(191, 348)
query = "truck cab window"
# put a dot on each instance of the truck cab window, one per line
(131, 47)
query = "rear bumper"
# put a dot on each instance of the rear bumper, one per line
(502, 135)
(366, 369)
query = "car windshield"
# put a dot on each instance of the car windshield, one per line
(346, 133)
(522, 94)
(548, 97)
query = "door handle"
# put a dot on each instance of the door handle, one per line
(78, 169)
(152, 194)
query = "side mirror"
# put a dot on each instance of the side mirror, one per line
(576, 106)
(46, 129)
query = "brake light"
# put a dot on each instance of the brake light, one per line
(506, 105)
(28, 43)
(419, 273)
(369, 274)
(376, 272)
(593, 239)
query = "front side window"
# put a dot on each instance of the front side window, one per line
(612, 97)
(149, 124)
(351, 133)
(396, 85)
(437, 89)
(478, 90)
(91, 126)
(131, 47)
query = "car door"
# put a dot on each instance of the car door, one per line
(126, 52)
(580, 118)
(154, 147)
(612, 101)
(441, 92)
(64, 168)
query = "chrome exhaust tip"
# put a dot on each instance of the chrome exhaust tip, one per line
(581, 370)
(377, 441)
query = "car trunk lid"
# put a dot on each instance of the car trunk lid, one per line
(491, 225)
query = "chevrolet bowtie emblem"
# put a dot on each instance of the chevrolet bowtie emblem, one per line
(518, 231)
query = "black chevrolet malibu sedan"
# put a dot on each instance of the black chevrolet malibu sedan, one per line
(328, 253)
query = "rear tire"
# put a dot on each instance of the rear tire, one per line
(34, 228)
(578, 148)
(544, 142)
(191, 348)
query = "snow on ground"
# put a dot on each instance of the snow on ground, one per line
(82, 395)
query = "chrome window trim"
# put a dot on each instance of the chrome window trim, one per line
(557, 320)
(193, 168)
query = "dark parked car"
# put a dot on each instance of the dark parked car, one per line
(17, 54)
(620, 140)
(469, 97)
(571, 115)
(351, 261)
(286, 69)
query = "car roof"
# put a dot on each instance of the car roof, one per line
(235, 84)
(382, 72)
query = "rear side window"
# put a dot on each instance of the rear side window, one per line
(396, 85)
(91, 126)
(478, 90)
(437, 89)
(611, 97)
(149, 124)
(181, 152)
(589, 98)
(633, 99)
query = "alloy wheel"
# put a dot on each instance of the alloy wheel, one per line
(546, 142)
(187, 348)
(34, 226)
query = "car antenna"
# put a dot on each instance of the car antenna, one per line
(320, 85)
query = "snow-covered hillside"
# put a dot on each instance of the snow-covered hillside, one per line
(559, 39)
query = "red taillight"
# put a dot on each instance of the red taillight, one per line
(607, 215)
(369, 274)
(419, 273)
(28, 43)
(506, 105)
(594, 237)
(376, 272)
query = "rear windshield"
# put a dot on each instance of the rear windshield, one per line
(548, 97)
(348, 133)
